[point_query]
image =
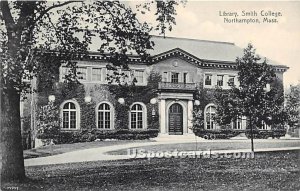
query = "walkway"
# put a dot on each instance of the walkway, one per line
(97, 154)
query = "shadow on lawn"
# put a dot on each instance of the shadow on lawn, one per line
(267, 171)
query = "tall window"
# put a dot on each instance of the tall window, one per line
(263, 126)
(185, 76)
(165, 76)
(139, 76)
(220, 80)
(175, 77)
(237, 124)
(210, 113)
(69, 115)
(81, 73)
(208, 79)
(231, 80)
(136, 116)
(96, 74)
(104, 116)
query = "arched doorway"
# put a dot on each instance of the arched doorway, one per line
(175, 119)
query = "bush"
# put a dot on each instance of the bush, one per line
(264, 134)
(216, 134)
(91, 135)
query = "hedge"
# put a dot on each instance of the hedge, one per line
(91, 135)
(228, 133)
(264, 134)
(216, 134)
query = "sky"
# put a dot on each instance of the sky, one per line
(279, 41)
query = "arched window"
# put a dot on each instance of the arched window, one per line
(137, 116)
(210, 112)
(69, 116)
(104, 116)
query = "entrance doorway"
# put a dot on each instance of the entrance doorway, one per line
(176, 119)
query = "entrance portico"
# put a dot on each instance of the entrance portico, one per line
(175, 112)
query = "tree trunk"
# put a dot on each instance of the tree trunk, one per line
(251, 132)
(11, 140)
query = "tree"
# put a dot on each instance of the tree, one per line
(293, 106)
(48, 122)
(33, 32)
(259, 96)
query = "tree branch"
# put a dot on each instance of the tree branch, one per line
(53, 7)
(6, 14)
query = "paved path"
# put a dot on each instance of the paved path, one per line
(97, 154)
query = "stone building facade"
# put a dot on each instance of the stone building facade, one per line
(186, 66)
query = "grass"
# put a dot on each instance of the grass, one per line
(267, 171)
(63, 148)
(225, 145)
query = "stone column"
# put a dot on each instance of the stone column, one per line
(190, 116)
(162, 116)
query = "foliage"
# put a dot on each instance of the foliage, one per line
(216, 134)
(293, 106)
(91, 135)
(116, 25)
(251, 99)
(132, 93)
(264, 134)
(205, 96)
(32, 29)
(198, 119)
(48, 122)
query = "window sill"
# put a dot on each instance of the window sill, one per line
(70, 130)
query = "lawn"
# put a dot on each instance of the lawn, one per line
(267, 171)
(224, 145)
(63, 148)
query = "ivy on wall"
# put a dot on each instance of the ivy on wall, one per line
(205, 96)
(132, 94)
(103, 92)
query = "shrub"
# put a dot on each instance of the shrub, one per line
(91, 135)
(216, 134)
(264, 134)
(48, 122)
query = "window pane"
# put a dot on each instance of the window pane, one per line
(174, 77)
(139, 107)
(210, 113)
(107, 120)
(220, 80)
(165, 76)
(73, 119)
(208, 80)
(106, 106)
(207, 125)
(133, 120)
(139, 76)
(72, 106)
(134, 107)
(96, 74)
(66, 106)
(140, 120)
(101, 106)
(185, 77)
(81, 73)
(100, 119)
(231, 80)
(65, 119)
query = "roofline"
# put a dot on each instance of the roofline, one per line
(192, 39)
(93, 55)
